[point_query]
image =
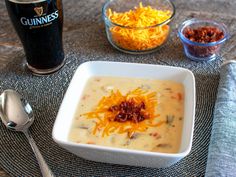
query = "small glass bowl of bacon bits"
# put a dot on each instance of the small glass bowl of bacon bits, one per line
(202, 39)
(138, 27)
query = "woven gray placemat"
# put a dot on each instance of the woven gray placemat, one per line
(46, 93)
(87, 41)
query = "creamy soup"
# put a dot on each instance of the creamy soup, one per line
(151, 119)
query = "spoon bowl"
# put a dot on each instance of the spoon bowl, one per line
(15, 112)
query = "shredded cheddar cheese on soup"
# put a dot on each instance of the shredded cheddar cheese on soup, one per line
(139, 31)
(109, 111)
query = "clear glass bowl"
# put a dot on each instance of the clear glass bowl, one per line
(202, 51)
(131, 42)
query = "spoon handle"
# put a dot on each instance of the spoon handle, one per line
(45, 170)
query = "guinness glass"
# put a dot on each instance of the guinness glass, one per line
(38, 24)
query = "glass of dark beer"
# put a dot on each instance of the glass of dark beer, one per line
(38, 24)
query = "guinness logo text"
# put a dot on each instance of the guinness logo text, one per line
(41, 20)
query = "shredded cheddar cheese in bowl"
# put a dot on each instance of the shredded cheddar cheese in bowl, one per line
(142, 28)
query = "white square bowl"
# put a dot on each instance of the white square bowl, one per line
(98, 153)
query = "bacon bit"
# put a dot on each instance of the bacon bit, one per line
(164, 145)
(85, 97)
(204, 34)
(139, 17)
(155, 134)
(97, 79)
(91, 142)
(129, 111)
(179, 96)
(109, 108)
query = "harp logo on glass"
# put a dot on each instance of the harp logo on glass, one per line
(39, 11)
(40, 18)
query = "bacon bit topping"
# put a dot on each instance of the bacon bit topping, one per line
(155, 135)
(97, 79)
(204, 34)
(130, 113)
(85, 97)
(179, 96)
(164, 145)
(139, 17)
(91, 142)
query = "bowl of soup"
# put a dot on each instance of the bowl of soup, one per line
(128, 113)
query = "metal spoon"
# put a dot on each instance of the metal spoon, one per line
(17, 115)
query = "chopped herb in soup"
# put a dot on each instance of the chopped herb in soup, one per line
(130, 113)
